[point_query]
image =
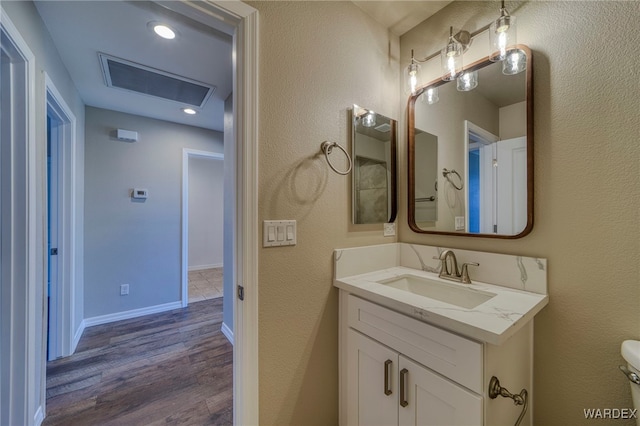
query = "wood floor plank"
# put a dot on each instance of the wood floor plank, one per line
(173, 368)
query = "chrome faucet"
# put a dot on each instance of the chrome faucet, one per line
(449, 268)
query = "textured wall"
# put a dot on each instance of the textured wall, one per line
(138, 243)
(316, 60)
(205, 212)
(586, 108)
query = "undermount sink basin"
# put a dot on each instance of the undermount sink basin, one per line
(454, 294)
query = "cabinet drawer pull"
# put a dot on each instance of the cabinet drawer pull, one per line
(387, 374)
(403, 387)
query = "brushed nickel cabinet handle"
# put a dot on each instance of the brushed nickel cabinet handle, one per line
(387, 374)
(403, 387)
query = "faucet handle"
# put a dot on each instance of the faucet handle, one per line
(464, 274)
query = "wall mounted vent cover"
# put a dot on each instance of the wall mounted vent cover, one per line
(126, 75)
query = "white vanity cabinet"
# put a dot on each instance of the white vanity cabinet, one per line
(386, 388)
(399, 370)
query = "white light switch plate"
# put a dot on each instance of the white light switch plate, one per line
(459, 223)
(277, 233)
(389, 229)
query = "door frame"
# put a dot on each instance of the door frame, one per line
(188, 153)
(65, 303)
(19, 237)
(241, 21)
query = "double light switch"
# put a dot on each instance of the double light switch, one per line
(279, 233)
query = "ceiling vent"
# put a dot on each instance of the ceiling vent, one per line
(383, 128)
(126, 75)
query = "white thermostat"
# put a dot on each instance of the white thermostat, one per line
(139, 193)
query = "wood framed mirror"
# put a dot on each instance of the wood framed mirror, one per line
(471, 152)
(374, 167)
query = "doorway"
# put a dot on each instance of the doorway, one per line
(202, 219)
(23, 341)
(19, 292)
(61, 339)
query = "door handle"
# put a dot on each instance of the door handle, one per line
(387, 376)
(403, 387)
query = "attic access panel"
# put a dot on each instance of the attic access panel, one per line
(126, 75)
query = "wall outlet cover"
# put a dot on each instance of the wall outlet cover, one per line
(459, 223)
(389, 229)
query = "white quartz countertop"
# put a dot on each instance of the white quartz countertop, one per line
(493, 321)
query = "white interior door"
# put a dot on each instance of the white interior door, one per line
(511, 199)
(53, 293)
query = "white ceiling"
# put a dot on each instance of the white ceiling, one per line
(81, 29)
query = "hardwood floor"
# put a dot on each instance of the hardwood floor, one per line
(172, 368)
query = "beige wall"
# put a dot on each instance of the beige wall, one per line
(316, 60)
(586, 108)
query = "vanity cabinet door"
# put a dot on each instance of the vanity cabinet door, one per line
(372, 370)
(429, 399)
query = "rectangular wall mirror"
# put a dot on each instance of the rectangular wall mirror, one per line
(471, 153)
(374, 167)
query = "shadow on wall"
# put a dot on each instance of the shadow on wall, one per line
(297, 189)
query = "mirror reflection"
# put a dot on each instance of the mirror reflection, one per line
(373, 177)
(471, 153)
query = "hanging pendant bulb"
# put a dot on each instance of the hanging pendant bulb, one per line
(369, 119)
(451, 58)
(468, 81)
(430, 96)
(502, 35)
(412, 76)
(515, 63)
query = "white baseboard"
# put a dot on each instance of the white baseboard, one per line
(201, 267)
(227, 332)
(104, 319)
(77, 336)
(38, 418)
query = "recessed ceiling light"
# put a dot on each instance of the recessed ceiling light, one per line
(189, 111)
(162, 30)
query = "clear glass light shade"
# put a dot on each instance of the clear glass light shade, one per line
(468, 81)
(412, 78)
(451, 60)
(502, 36)
(515, 62)
(430, 96)
(369, 119)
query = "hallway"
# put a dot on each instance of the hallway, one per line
(168, 368)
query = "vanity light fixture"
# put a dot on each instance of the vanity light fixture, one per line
(430, 96)
(189, 111)
(451, 58)
(502, 35)
(467, 81)
(515, 62)
(369, 119)
(412, 76)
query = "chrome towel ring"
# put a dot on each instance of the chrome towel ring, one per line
(327, 147)
(446, 174)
